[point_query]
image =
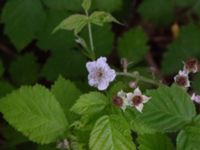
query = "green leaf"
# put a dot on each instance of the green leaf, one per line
(23, 19)
(72, 5)
(5, 88)
(107, 5)
(25, 69)
(102, 47)
(60, 40)
(196, 8)
(61, 62)
(189, 138)
(111, 132)
(169, 109)
(133, 45)
(91, 103)
(154, 142)
(158, 12)
(101, 17)
(1, 69)
(66, 93)
(35, 112)
(86, 4)
(185, 3)
(136, 124)
(74, 22)
(185, 46)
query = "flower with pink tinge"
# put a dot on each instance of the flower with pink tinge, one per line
(100, 73)
(137, 100)
(195, 98)
(182, 79)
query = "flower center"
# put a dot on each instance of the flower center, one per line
(118, 101)
(136, 100)
(181, 80)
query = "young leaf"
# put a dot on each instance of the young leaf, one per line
(66, 93)
(86, 4)
(91, 103)
(133, 45)
(23, 19)
(74, 22)
(35, 112)
(170, 109)
(111, 132)
(156, 141)
(101, 17)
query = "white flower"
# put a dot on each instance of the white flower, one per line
(195, 98)
(182, 79)
(137, 100)
(100, 73)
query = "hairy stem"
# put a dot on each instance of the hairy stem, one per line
(91, 37)
(139, 78)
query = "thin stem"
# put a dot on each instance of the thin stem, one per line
(91, 37)
(139, 78)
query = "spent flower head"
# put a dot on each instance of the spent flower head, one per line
(191, 65)
(121, 100)
(100, 73)
(137, 99)
(182, 79)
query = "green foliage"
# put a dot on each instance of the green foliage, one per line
(156, 141)
(101, 17)
(111, 132)
(61, 40)
(185, 46)
(102, 47)
(1, 69)
(133, 45)
(73, 5)
(195, 83)
(157, 11)
(73, 61)
(91, 103)
(35, 112)
(74, 22)
(170, 109)
(189, 138)
(23, 19)
(25, 69)
(5, 88)
(107, 5)
(66, 93)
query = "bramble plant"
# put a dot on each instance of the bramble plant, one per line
(122, 109)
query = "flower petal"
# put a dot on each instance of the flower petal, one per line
(139, 107)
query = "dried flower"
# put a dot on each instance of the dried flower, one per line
(191, 65)
(137, 100)
(195, 98)
(100, 73)
(182, 79)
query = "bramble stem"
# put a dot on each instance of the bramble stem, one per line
(91, 37)
(139, 78)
